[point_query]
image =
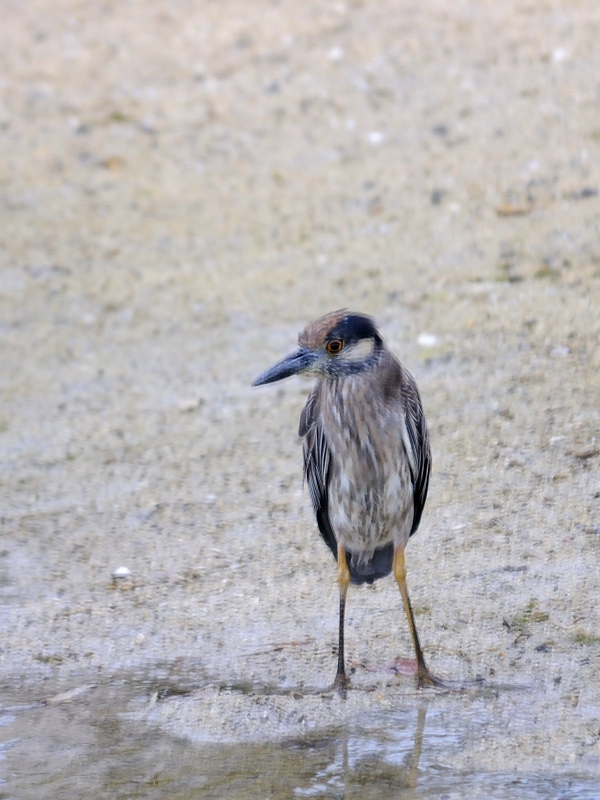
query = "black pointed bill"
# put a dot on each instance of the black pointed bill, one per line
(301, 361)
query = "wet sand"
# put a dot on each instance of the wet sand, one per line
(183, 187)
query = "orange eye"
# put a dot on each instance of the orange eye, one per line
(334, 346)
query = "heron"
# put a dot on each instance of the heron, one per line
(367, 457)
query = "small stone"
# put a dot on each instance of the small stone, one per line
(510, 210)
(112, 162)
(121, 572)
(587, 452)
(189, 404)
(375, 137)
(122, 579)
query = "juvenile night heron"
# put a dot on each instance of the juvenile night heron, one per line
(366, 456)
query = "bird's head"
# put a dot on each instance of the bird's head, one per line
(340, 343)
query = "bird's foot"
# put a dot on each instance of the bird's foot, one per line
(425, 678)
(340, 685)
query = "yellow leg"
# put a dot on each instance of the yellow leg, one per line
(341, 679)
(424, 676)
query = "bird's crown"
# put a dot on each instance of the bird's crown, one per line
(342, 325)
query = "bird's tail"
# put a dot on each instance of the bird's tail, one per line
(362, 570)
(368, 570)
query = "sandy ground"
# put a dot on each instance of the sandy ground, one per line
(182, 187)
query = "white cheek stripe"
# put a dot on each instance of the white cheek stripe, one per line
(360, 351)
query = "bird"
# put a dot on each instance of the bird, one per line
(367, 457)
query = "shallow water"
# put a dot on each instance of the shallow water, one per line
(98, 745)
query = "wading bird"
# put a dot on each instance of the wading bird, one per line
(366, 456)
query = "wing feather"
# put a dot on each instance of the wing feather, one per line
(418, 441)
(317, 458)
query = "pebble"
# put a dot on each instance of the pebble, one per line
(375, 137)
(121, 572)
(587, 452)
(122, 578)
(189, 404)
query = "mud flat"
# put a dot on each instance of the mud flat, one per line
(183, 188)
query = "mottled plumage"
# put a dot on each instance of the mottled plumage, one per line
(366, 453)
(367, 462)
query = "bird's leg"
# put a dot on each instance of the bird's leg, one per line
(341, 681)
(424, 676)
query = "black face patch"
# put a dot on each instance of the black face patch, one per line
(353, 328)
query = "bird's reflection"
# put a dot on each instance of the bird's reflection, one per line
(362, 765)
